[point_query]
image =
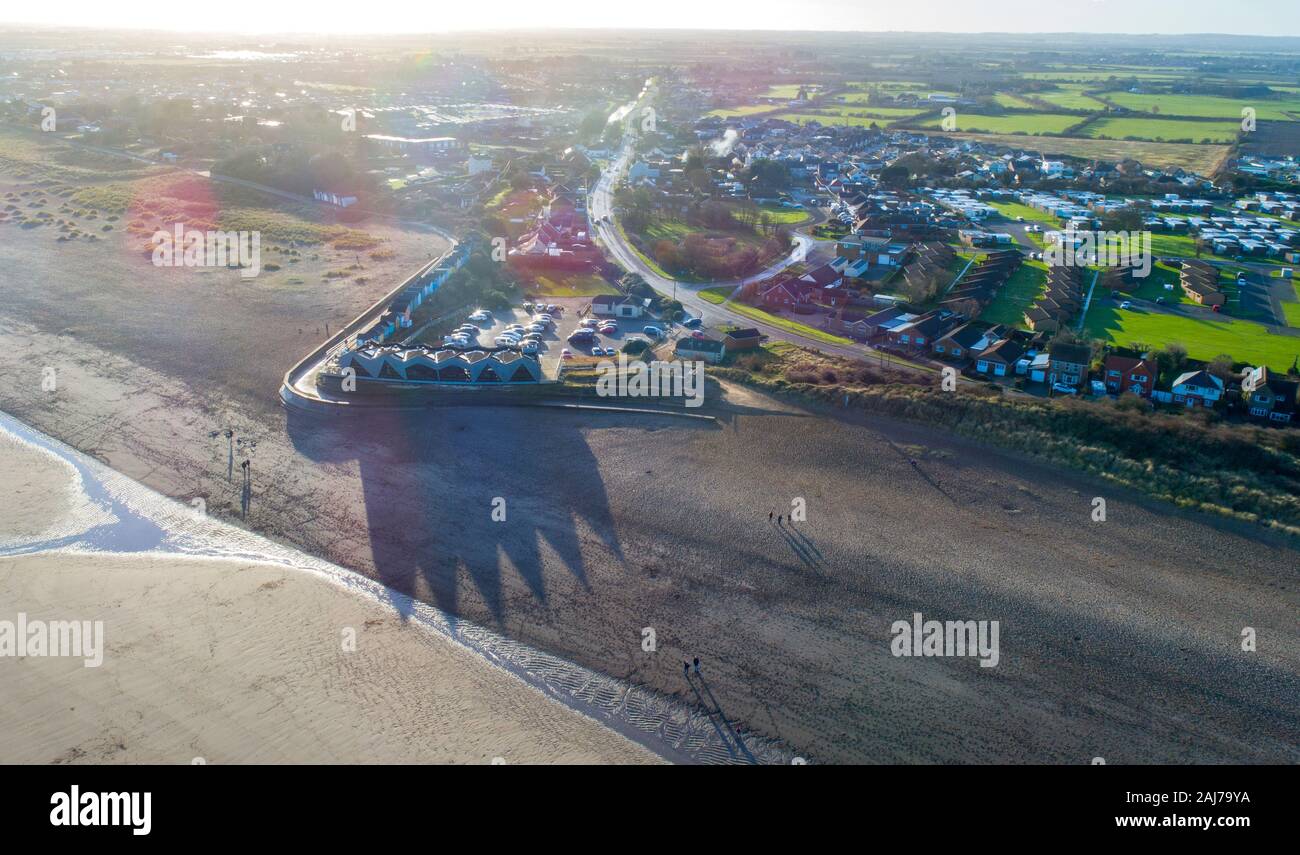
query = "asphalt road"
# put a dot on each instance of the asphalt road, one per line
(600, 207)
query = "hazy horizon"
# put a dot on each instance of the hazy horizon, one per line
(393, 18)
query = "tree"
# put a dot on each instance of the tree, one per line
(895, 176)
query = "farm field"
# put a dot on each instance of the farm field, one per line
(744, 110)
(1008, 99)
(1070, 98)
(1012, 123)
(789, 91)
(858, 109)
(1204, 338)
(1208, 106)
(864, 117)
(1163, 130)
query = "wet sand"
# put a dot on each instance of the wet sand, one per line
(224, 660)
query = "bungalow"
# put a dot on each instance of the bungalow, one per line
(1197, 389)
(709, 350)
(1000, 359)
(921, 331)
(967, 340)
(784, 295)
(1124, 373)
(616, 306)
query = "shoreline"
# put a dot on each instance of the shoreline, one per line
(209, 547)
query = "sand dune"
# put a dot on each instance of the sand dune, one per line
(240, 661)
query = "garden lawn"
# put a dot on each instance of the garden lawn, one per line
(1017, 295)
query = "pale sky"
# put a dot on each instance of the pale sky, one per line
(1247, 17)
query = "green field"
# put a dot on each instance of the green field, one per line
(1017, 295)
(1203, 338)
(571, 285)
(1012, 123)
(1070, 98)
(790, 91)
(746, 110)
(785, 216)
(1291, 309)
(1011, 210)
(852, 116)
(1015, 102)
(1209, 106)
(1164, 130)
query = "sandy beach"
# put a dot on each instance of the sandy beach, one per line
(224, 660)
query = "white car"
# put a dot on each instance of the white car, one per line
(506, 341)
(479, 316)
(589, 323)
(537, 328)
(1064, 389)
(1127, 304)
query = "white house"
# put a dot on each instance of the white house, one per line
(1197, 389)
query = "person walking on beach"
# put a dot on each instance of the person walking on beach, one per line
(778, 519)
(769, 516)
(697, 664)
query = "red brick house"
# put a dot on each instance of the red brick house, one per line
(1129, 374)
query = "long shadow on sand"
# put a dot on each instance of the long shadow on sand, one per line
(435, 483)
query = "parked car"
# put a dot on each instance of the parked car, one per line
(693, 323)
(529, 348)
(588, 323)
(653, 331)
(609, 351)
(479, 316)
(566, 354)
(1127, 304)
(1064, 389)
(537, 328)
